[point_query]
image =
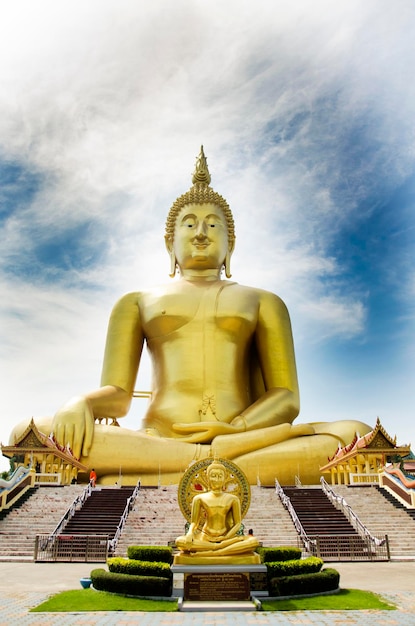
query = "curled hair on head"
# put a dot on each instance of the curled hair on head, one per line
(215, 465)
(200, 193)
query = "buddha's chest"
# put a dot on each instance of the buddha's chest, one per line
(221, 309)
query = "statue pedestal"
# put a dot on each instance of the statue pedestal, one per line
(251, 558)
(222, 583)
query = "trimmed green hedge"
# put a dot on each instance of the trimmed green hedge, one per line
(119, 565)
(161, 554)
(127, 584)
(326, 580)
(293, 568)
(271, 555)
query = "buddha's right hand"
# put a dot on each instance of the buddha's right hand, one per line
(73, 425)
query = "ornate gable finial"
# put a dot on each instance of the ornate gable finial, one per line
(201, 173)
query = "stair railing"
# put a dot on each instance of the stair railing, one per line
(17, 476)
(341, 504)
(112, 543)
(309, 544)
(395, 482)
(12, 489)
(76, 504)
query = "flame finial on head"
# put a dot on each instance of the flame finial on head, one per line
(201, 173)
(199, 193)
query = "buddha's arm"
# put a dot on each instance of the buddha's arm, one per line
(194, 521)
(280, 404)
(122, 357)
(73, 424)
(109, 401)
(237, 519)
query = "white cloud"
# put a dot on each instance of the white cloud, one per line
(338, 318)
(108, 107)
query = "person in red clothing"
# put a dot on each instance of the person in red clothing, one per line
(92, 477)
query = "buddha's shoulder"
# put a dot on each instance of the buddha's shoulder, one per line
(135, 302)
(133, 298)
(261, 295)
(128, 299)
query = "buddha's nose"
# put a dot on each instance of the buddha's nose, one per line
(201, 230)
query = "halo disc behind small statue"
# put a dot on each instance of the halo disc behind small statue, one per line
(195, 481)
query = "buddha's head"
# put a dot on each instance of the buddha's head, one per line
(202, 211)
(216, 475)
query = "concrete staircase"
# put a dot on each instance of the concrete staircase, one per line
(39, 514)
(100, 513)
(318, 516)
(337, 538)
(382, 518)
(156, 519)
(269, 519)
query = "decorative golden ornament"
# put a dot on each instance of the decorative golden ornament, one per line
(195, 480)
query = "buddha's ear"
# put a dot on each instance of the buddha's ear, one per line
(227, 263)
(169, 243)
(173, 263)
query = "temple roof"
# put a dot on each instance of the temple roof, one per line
(33, 440)
(377, 440)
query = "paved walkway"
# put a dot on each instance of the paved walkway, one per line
(25, 585)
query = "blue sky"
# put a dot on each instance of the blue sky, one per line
(306, 111)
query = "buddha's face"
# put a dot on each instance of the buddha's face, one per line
(216, 478)
(200, 237)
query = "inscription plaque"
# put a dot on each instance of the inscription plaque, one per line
(216, 586)
(259, 581)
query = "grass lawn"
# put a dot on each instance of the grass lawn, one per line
(345, 600)
(90, 600)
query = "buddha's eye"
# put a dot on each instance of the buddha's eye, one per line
(188, 223)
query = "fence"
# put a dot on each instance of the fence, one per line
(48, 479)
(71, 548)
(348, 548)
(363, 479)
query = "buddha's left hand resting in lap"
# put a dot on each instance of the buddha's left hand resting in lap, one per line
(224, 373)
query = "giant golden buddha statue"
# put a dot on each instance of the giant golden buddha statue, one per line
(224, 374)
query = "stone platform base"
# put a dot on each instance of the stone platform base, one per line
(251, 558)
(228, 584)
(205, 607)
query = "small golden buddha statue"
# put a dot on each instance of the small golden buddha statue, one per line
(214, 526)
